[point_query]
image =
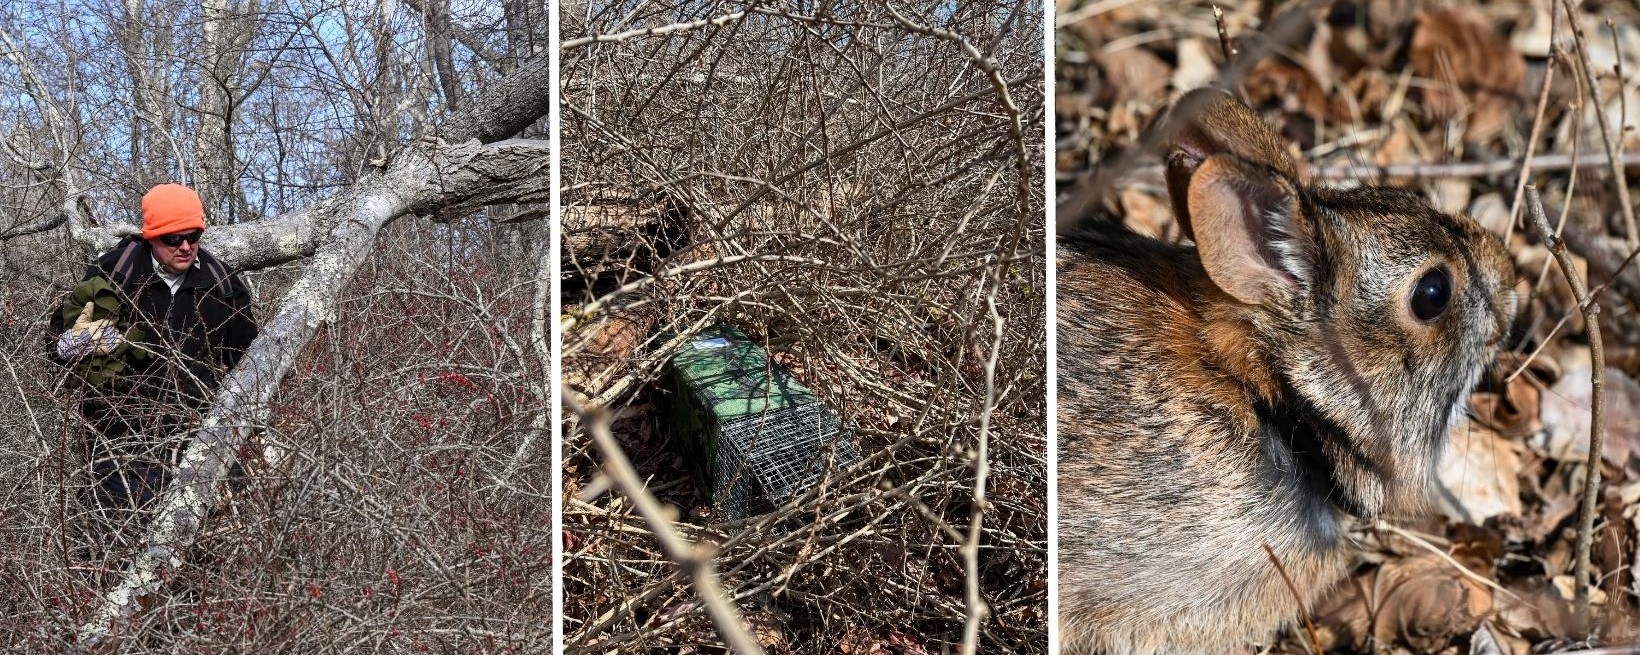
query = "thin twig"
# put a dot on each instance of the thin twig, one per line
(1613, 148)
(1594, 292)
(1556, 162)
(1591, 318)
(693, 559)
(977, 609)
(662, 30)
(1224, 34)
(1303, 611)
(1424, 543)
(1151, 175)
(1225, 47)
(1537, 127)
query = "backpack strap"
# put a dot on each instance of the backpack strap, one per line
(221, 281)
(121, 272)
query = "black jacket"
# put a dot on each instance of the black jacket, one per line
(197, 335)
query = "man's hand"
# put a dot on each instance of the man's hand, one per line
(88, 337)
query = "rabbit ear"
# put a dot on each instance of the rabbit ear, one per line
(1248, 229)
(1208, 122)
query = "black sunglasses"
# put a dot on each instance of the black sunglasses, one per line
(174, 240)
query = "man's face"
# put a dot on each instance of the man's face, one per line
(176, 252)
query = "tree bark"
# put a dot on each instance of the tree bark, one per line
(519, 163)
(507, 107)
(228, 31)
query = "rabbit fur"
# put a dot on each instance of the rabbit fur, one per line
(1266, 386)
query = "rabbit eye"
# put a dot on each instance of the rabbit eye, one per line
(1431, 294)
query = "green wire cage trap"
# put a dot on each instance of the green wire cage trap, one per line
(757, 437)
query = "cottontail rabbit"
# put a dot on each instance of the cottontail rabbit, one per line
(1297, 367)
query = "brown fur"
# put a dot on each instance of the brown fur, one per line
(1194, 428)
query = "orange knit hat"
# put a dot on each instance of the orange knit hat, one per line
(171, 208)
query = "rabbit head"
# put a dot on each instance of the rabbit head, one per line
(1373, 312)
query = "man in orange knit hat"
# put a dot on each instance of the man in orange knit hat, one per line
(150, 330)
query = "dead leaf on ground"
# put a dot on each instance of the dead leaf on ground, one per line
(1197, 66)
(1278, 81)
(1512, 407)
(1147, 214)
(1536, 613)
(1465, 62)
(1481, 473)
(1402, 147)
(1566, 415)
(769, 631)
(1491, 212)
(905, 644)
(1420, 602)
(1491, 641)
(1135, 74)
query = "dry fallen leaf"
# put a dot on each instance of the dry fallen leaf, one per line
(1294, 88)
(1565, 586)
(1466, 63)
(1491, 212)
(1490, 640)
(1566, 415)
(769, 631)
(1147, 214)
(1512, 407)
(1537, 613)
(1481, 472)
(1197, 66)
(905, 644)
(1135, 75)
(1420, 602)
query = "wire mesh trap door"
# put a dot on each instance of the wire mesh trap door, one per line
(756, 436)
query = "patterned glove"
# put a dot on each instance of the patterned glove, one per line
(88, 337)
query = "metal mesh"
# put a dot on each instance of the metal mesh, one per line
(763, 461)
(755, 435)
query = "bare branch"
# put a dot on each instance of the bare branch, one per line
(694, 559)
(1597, 420)
(1613, 146)
(661, 30)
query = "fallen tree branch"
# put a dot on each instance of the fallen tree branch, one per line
(79, 223)
(417, 179)
(45, 225)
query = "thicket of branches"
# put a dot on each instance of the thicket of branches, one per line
(858, 187)
(397, 487)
